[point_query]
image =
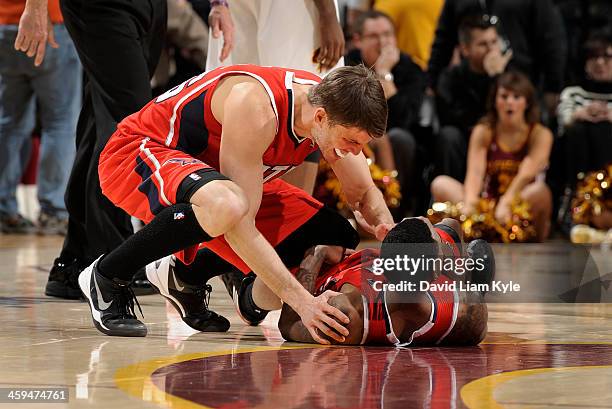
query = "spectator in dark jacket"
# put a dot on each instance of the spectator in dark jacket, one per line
(462, 91)
(581, 18)
(532, 28)
(585, 111)
(403, 82)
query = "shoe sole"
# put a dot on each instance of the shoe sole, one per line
(84, 284)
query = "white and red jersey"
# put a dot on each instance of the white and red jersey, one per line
(182, 118)
(356, 270)
(155, 149)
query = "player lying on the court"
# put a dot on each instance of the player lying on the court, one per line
(394, 317)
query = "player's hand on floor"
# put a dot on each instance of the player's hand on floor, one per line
(321, 318)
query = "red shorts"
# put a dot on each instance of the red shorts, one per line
(284, 208)
(142, 177)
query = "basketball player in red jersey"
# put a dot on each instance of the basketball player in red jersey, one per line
(192, 164)
(379, 317)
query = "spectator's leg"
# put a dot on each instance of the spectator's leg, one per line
(451, 153)
(59, 91)
(577, 150)
(288, 34)
(76, 240)
(446, 189)
(404, 148)
(539, 197)
(603, 221)
(119, 47)
(383, 152)
(16, 118)
(600, 144)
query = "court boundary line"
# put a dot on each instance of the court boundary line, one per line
(135, 379)
(479, 394)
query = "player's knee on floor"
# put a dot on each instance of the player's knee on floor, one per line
(219, 206)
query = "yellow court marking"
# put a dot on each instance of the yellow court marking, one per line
(135, 379)
(478, 394)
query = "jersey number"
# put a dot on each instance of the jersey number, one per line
(271, 172)
(177, 90)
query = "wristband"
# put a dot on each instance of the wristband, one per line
(214, 3)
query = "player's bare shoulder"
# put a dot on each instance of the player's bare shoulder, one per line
(244, 97)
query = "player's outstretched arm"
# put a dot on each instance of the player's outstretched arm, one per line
(363, 196)
(249, 126)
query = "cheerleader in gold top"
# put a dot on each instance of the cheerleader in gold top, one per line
(507, 156)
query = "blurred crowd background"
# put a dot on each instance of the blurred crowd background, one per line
(500, 111)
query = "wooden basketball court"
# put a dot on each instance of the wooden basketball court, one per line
(537, 355)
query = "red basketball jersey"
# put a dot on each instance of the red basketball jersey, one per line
(182, 119)
(357, 271)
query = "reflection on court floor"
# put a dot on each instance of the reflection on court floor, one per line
(370, 377)
(535, 355)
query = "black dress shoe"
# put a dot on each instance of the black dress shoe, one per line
(63, 280)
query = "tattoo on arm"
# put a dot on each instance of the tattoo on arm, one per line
(471, 325)
(306, 278)
(309, 268)
(290, 322)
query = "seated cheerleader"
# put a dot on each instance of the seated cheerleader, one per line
(507, 156)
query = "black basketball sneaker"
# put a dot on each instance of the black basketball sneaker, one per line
(111, 304)
(190, 301)
(480, 249)
(236, 284)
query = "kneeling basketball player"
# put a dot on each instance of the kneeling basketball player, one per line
(379, 317)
